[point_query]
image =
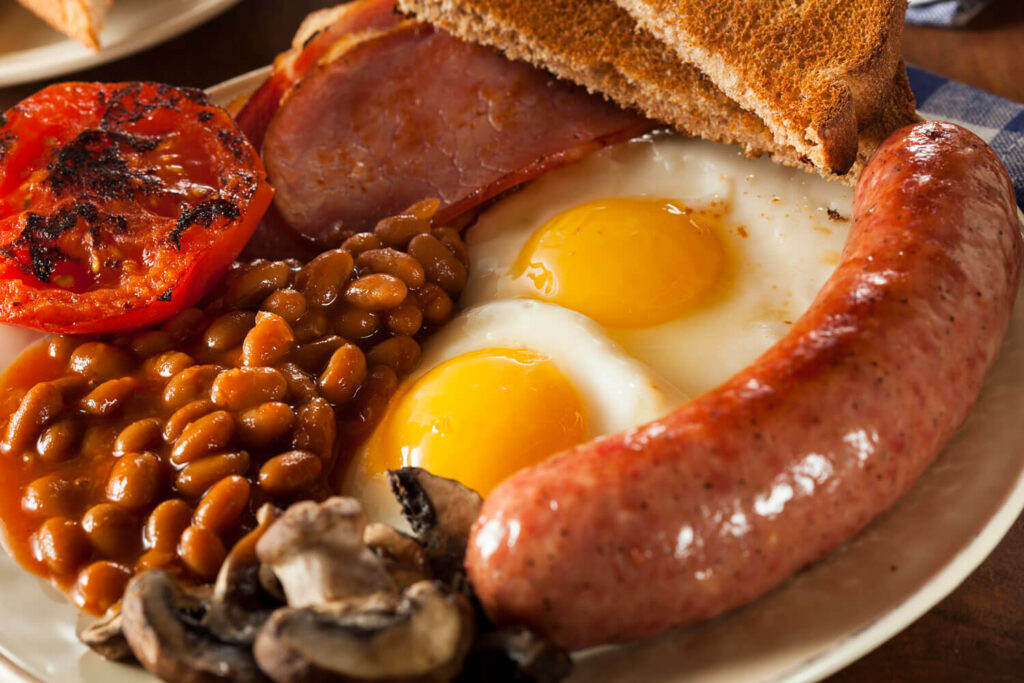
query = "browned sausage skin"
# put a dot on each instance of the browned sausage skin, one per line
(706, 509)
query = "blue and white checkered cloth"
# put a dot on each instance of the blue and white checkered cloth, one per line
(997, 121)
(944, 12)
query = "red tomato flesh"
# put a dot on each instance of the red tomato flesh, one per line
(120, 204)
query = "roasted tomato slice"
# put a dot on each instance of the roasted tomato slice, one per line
(120, 204)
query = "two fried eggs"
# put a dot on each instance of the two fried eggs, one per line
(601, 296)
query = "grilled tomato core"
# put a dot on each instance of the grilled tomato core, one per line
(120, 204)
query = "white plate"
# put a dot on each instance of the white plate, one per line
(822, 619)
(31, 50)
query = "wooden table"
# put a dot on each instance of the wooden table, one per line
(977, 633)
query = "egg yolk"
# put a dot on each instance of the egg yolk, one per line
(479, 418)
(626, 262)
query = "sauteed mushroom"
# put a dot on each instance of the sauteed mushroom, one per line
(514, 653)
(402, 555)
(441, 512)
(105, 637)
(421, 636)
(163, 627)
(317, 552)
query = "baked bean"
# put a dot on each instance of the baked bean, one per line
(155, 559)
(72, 386)
(376, 292)
(208, 434)
(140, 435)
(241, 388)
(356, 324)
(100, 361)
(440, 264)
(41, 404)
(287, 303)
(301, 386)
(199, 475)
(222, 506)
(57, 441)
(360, 242)
(435, 303)
(406, 319)
(149, 343)
(54, 495)
(184, 324)
(202, 552)
(134, 480)
(424, 209)
(393, 262)
(253, 286)
(107, 398)
(381, 384)
(313, 356)
(268, 341)
(314, 324)
(183, 416)
(167, 364)
(62, 346)
(189, 385)
(315, 429)
(62, 545)
(397, 231)
(111, 530)
(450, 238)
(289, 473)
(100, 585)
(266, 423)
(323, 279)
(401, 353)
(165, 524)
(227, 331)
(343, 375)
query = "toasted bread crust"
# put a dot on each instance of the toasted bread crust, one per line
(79, 19)
(813, 70)
(597, 45)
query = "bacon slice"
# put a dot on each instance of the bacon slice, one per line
(411, 113)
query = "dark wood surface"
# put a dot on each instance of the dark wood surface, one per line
(977, 633)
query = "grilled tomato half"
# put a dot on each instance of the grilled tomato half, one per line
(120, 204)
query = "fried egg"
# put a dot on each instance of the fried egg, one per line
(601, 296)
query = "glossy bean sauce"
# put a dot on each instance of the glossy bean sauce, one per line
(154, 449)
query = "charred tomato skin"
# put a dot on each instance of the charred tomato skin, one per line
(120, 204)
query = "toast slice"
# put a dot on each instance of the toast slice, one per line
(598, 45)
(816, 71)
(79, 19)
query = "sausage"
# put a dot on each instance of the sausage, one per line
(708, 508)
(412, 113)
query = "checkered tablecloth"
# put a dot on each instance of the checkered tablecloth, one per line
(997, 121)
(944, 12)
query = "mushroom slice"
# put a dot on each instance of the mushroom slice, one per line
(239, 605)
(402, 555)
(421, 636)
(162, 624)
(317, 553)
(515, 653)
(105, 637)
(441, 513)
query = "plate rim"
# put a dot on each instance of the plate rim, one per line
(197, 13)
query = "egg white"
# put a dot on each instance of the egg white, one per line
(782, 243)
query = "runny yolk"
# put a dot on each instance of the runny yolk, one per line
(624, 262)
(479, 418)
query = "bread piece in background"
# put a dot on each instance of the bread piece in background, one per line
(79, 19)
(597, 44)
(816, 71)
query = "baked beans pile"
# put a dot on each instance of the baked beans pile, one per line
(153, 450)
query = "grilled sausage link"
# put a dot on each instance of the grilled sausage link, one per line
(708, 508)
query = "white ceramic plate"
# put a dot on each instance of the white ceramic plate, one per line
(822, 619)
(31, 50)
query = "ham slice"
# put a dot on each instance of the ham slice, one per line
(410, 113)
